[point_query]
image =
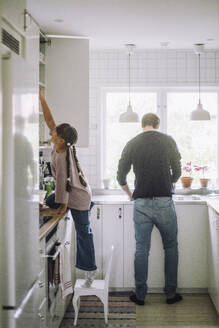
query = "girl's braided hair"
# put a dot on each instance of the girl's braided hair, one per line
(70, 135)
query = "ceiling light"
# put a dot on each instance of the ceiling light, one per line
(164, 44)
(129, 116)
(59, 20)
(199, 114)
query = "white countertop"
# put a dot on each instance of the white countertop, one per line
(123, 199)
(213, 202)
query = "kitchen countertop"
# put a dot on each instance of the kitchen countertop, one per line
(123, 199)
(211, 201)
(49, 225)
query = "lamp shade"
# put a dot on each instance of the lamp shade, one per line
(129, 116)
(200, 114)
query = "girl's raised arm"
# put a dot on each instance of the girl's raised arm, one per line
(46, 112)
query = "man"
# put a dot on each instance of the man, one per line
(156, 165)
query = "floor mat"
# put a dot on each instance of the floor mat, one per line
(122, 312)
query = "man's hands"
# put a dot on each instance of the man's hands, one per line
(128, 191)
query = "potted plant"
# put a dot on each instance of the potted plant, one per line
(187, 179)
(203, 179)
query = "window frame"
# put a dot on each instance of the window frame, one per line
(162, 109)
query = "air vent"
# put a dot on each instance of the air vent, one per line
(11, 42)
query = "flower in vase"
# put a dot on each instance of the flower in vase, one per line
(188, 169)
(201, 169)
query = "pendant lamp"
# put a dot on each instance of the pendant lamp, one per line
(199, 114)
(129, 116)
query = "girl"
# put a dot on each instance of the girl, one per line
(72, 190)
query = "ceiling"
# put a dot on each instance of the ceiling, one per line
(112, 23)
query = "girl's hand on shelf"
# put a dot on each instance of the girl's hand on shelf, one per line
(62, 209)
(40, 92)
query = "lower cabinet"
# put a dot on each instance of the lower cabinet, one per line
(113, 224)
(129, 247)
(50, 314)
(213, 258)
(193, 234)
(42, 313)
(96, 226)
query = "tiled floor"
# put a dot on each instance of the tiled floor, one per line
(196, 310)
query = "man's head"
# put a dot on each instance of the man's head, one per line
(150, 120)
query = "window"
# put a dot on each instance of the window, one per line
(197, 141)
(118, 134)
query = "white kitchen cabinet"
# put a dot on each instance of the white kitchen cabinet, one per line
(43, 129)
(67, 76)
(52, 317)
(213, 258)
(13, 11)
(129, 246)
(64, 229)
(96, 222)
(113, 235)
(96, 226)
(192, 238)
(42, 313)
(193, 243)
(113, 224)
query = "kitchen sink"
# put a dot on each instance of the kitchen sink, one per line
(187, 197)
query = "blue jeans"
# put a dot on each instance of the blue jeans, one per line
(158, 211)
(85, 259)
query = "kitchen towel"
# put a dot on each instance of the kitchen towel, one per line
(65, 269)
(56, 273)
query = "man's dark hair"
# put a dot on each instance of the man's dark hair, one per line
(150, 119)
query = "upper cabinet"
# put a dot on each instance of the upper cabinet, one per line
(43, 130)
(67, 90)
(13, 11)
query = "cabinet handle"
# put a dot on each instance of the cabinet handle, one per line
(67, 243)
(216, 223)
(42, 318)
(41, 284)
(98, 213)
(120, 213)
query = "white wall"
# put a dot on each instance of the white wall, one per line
(148, 68)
